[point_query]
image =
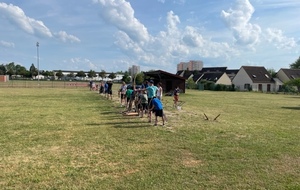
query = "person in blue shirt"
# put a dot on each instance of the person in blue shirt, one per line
(151, 93)
(145, 84)
(158, 109)
(106, 89)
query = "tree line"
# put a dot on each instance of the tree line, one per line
(17, 71)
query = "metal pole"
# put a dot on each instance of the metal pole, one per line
(37, 59)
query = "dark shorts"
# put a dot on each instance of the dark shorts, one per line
(123, 96)
(158, 113)
(110, 92)
(143, 106)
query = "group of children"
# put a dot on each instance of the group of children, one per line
(146, 99)
(106, 89)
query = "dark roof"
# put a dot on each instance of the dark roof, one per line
(292, 73)
(213, 69)
(258, 74)
(161, 74)
(232, 71)
(179, 72)
(197, 76)
(214, 77)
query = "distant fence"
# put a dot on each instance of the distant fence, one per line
(43, 84)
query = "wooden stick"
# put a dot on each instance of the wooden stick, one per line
(206, 117)
(217, 117)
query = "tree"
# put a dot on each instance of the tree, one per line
(126, 78)
(80, 74)
(139, 79)
(59, 74)
(272, 72)
(92, 74)
(2, 69)
(33, 70)
(20, 70)
(112, 76)
(46, 73)
(102, 74)
(71, 75)
(191, 84)
(11, 69)
(294, 82)
(296, 64)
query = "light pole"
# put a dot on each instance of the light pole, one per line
(37, 60)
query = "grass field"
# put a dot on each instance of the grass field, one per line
(76, 139)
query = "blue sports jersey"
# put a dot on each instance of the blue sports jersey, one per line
(157, 104)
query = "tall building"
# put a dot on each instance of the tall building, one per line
(191, 65)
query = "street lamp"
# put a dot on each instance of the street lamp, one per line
(37, 60)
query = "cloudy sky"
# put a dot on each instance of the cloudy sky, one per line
(155, 34)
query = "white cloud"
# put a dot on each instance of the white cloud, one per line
(192, 37)
(62, 35)
(120, 14)
(7, 44)
(78, 63)
(172, 44)
(238, 20)
(161, 1)
(276, 37)
(16, 16)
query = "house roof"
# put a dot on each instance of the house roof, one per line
(258, 74)
(232, 71)
(213, 69)
(179, 73)
(161, 74)
(292, 73)
(214, 77)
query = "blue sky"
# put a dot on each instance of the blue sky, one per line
(154, 34)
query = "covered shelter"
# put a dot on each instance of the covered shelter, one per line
(169, 81)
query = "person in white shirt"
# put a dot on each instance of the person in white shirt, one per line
(159, 92)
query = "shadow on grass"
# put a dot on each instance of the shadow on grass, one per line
(291, 108)
(297, 97)
(108, 112)
(128, 124)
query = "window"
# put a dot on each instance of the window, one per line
(254, 76)
(267, 76)
(247, 86)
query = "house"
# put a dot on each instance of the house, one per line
(169, 81)
(288, 74)
(255, 78)
(216, 77)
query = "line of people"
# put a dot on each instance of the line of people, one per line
(146, 100)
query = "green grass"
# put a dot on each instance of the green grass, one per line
(76, 139)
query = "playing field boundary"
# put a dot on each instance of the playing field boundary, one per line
(43, 84)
